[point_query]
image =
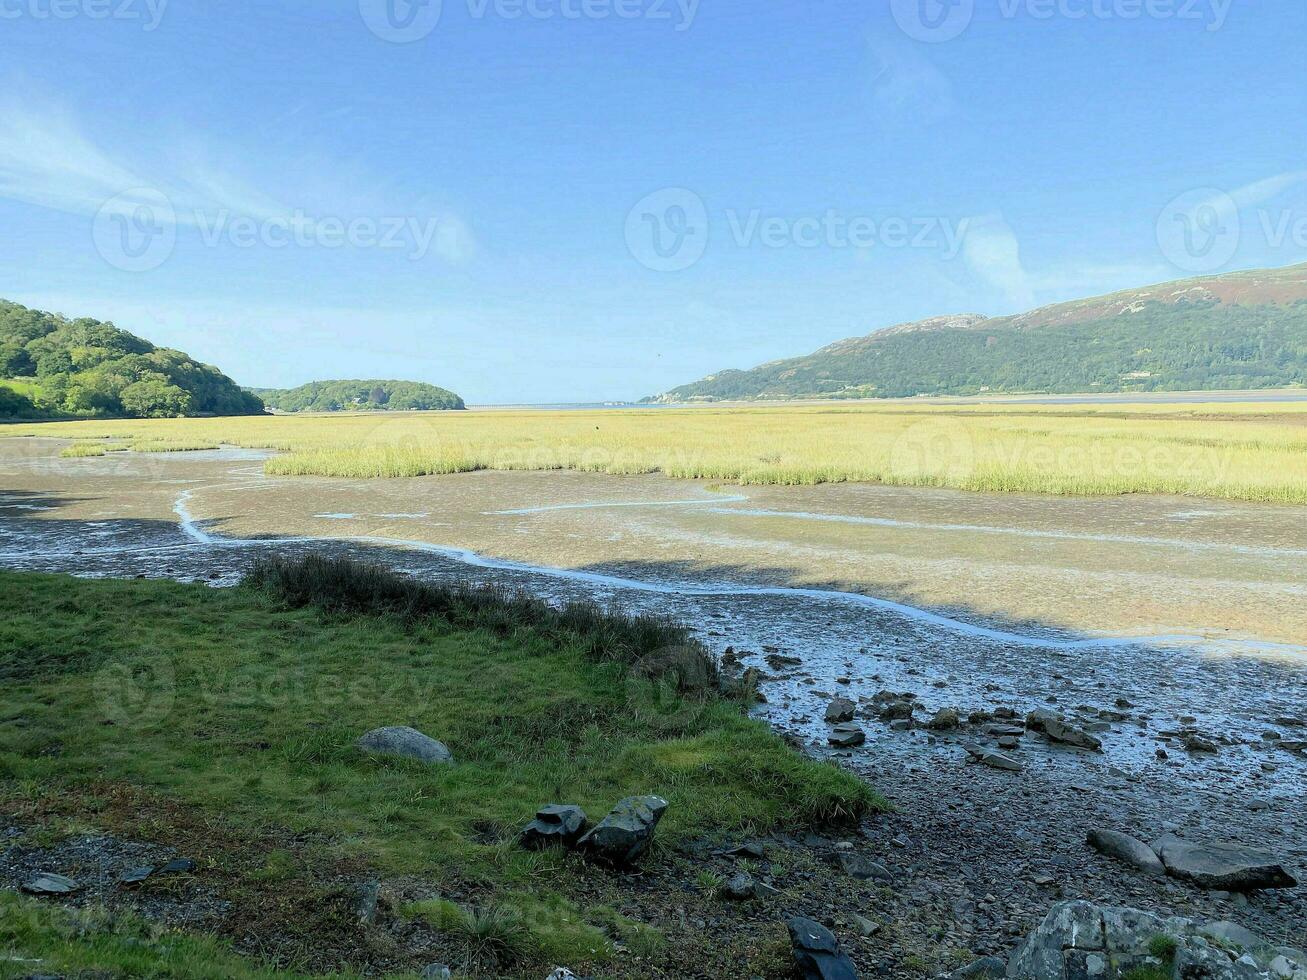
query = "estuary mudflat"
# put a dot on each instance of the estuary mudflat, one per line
(1187, 610)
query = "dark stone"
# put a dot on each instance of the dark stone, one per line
(846, 735)
(862, 868)
(816, 953)
(626, 833)
(840, 709)
(740, 887)
(945, 720)
(557, 823)
(136, 876)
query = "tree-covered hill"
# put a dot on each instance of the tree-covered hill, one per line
(53, 367)
(360, 396)
(1241, 331)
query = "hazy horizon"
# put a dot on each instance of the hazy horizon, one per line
(552, 203)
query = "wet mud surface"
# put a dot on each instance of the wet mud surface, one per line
(1191, 612)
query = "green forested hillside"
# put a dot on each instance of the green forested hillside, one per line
(51, 366)
(1237, 332)
(360, 396)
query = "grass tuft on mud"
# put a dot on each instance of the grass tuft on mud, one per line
(346, 586)
(237, 710)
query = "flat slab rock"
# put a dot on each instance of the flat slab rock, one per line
(1080, 940)
(50, 884)
(402, 742)
(1227, 867)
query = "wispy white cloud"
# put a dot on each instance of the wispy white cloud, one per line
(50, 158)
(993, 253)
(1261, 191)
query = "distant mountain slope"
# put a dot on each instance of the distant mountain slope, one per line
(1242, 330)
(51, 366)
(360, 396)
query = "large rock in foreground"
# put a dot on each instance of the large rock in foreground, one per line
(626, 833)
(816, 953)
(1227, 867)
(1079, 940)
(405, 743)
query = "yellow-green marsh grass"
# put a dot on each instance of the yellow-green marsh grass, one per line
(167, 446)
(80, 449)
(1234, 451)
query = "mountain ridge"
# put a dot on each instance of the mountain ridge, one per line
(1251, 326)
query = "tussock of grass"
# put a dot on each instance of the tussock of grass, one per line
(339, 585)
(494, 939)
(152, 446)
(81, 449)
(1234, 451)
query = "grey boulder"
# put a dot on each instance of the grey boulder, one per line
(1058, 729)
(404, 743)
(846, 735)
(557, 823)
(626, 833)
(1125, 848)
(1223, 867)
(816, 953)
(1079, 940)
(863, 868)
(840, 709)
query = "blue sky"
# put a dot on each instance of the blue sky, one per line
(575, 200)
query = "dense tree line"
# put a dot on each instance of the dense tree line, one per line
(1161, 347)
(360, 396)
(59, 367)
